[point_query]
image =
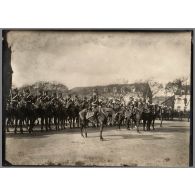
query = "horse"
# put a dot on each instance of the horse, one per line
(40, 112)
(9, 113)
(160, 114)
(62, 114)
(48, 114)
(31, 115)
(73, 114)
(147, 117)
(55, 112)
(138, 115)
(119, 117)
(128, 115)
(20, 115)
(100, 116)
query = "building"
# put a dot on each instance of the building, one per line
(182, 99)
(6, 66)
(137, 90)
(169, 102)
(7, 75)
(158, 99)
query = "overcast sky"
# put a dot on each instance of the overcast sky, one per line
(98, 58)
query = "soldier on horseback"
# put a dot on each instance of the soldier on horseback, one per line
(84, 103)
(28, 97)
(16, 96)
(54, 98)
(95, 99)
(46, 97)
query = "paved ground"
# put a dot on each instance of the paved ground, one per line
(165, 147)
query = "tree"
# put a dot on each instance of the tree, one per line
(155, 86)
(43, 86)
(175, 85)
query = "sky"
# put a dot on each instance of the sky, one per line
(98, 58)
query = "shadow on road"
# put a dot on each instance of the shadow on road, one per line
(130, 136)
(37, 133)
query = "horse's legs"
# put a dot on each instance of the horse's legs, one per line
(101, 130)
(55, 122)
(82, 126)
(73, 122)
(144, 124)
(148, 123)
(85, 131)
(119, 123)
(58, 122)
(153, 123)
(137, 124)
(127, 123)
(132, 122)
(61, 123)
(49, 122)
(64, 123)
(32, 122)
(20, 124)
(161, 119)
(46, 123)
(8, 122)
(42, 123)
(77, 121)
(16, 125)
(70, 122)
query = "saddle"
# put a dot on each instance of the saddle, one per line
(90, 114)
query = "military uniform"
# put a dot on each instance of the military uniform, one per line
(28, 98)
(46, 98)
(54, 99)
(16, 98)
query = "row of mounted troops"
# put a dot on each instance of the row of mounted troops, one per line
(28, 110)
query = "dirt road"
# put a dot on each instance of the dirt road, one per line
(165, 147)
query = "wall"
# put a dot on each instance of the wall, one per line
(180, 103)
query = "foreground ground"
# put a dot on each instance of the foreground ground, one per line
(167, 146)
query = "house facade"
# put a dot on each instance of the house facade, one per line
(136, 90)
(182, 99)
(182, 103)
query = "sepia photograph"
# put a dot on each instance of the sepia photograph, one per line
(97, 98)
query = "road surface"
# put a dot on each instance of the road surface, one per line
(167, 146)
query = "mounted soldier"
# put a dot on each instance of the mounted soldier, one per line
(95, 100)
(54, 98)
(84, 103)
(40, 95)
(16, 96)
(69, 101)
(61, 99)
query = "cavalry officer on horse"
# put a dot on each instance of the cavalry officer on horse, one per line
(16, 96)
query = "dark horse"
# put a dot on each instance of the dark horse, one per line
(9, 113)
(20, 115)
(72, 114)
(137, 116)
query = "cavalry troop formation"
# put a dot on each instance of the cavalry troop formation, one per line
(25, 109)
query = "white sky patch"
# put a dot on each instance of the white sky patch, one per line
(98, 58)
